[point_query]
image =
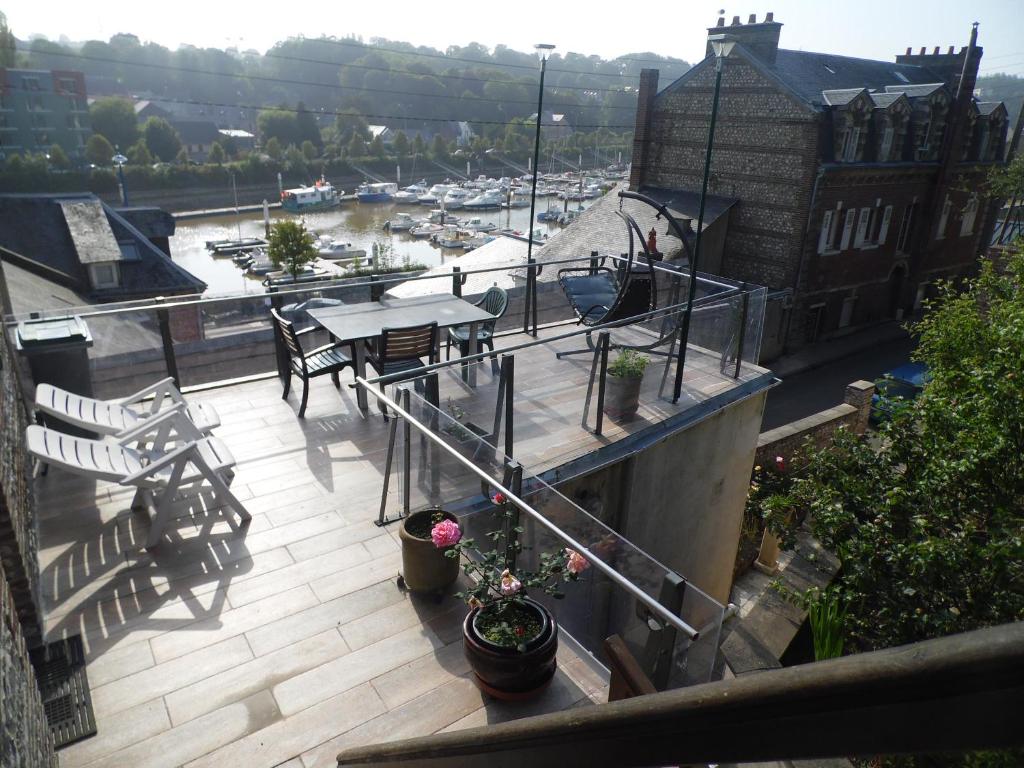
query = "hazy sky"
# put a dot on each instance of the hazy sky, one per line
(866, 28)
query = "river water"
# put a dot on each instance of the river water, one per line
(360, 224)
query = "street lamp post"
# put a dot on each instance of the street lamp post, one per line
(722, 46)
(543, 51)
(119, 160)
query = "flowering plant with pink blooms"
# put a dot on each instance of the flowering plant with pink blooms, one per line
(498, 587)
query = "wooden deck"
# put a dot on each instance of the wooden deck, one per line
(287, 640)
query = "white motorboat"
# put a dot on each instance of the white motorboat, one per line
(489, 199)
(476, 224)
(441, 216)
(402, 222)
(377, 193)
(452, 237)
(411, 194)
(322, 196)
(335, 250)
(426, 230)
(456, 198)
(476, 241)
(435, 195)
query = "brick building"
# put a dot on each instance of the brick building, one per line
(856, 180)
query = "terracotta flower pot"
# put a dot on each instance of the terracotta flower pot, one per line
(425, 568)
(622, 396)
(507, 673)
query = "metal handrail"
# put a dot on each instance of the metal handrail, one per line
(153, 304)
(703, 303)
(598, 564)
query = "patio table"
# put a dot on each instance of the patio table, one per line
(367, 320)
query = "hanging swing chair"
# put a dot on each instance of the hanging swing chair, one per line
(599, 295)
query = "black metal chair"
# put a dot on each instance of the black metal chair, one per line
(493, 302)
(328, 359)
(398, 352)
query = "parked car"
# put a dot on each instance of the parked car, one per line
(902, 383)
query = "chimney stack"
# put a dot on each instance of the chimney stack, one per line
(950, 51)
(936, 51)
(760, 39)
(909, 51)
(922, 51)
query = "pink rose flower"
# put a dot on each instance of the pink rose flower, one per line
(499, 498)
(577, 563)
(445, 534)
(510, 585)
(780, 464)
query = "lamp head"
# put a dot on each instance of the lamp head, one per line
(119, 159)
(543, 50)
(722, 45)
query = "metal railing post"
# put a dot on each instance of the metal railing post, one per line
(603, 341)
(513, 480)
(593, 262)
(658, 651)
(456, 282)
(376, 288)
(406, 456)
(280, 355)
(164, 319)
(744, 307)
(527, 296)
(508, 369)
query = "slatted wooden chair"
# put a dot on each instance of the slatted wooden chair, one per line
(157, 474)
(328, 359)
(399, 352)
(494, 302)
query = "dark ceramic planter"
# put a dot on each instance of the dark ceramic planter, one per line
(506, 673)
(622, 396)
(425, 568)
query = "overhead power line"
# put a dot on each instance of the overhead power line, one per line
(332, 86)
(341, 113)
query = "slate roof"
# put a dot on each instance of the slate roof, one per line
(915, 90)
(196, 131)
(988, 107)
(842, 96)
(36, 229)
(884, 99)
(809, 74)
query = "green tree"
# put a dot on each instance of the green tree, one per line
(59, 158)
(290, 246)
(305, 127)
(418, 146)
(114, 118)
(98, 150)
(8, 53)
(356, 146)
(439, 148)
(377, 148)
(161, 139)
(273, 148)
(930, 528)
(401, 144)
(230, 147)
(295, 161)
(216, 154)
(138, 154)
(182, 157)
(280, 124)
(308, 150)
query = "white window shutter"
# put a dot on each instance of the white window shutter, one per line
(970, 213)
(943, 219)
(851, 214)
(826, 227)
(862, 227)
(886, 218)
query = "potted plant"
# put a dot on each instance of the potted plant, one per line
(426, 539)
(509, 639)
(625, 374)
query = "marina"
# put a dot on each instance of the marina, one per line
(409, 224)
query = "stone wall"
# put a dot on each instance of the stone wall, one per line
(25, 740)
(818, 428)
(18, 533)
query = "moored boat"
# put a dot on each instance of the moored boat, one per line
(402, 222)
(476, 224)
(322, 196)
(226, 247)
(489, 199)
(426, 230)
(383, 192)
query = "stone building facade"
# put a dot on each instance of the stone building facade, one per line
(856, 180)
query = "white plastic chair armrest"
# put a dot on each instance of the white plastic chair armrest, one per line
(166, 385)
(166, 460)
(175, 414)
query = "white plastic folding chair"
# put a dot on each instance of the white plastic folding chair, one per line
(157, 474)
(113, 417)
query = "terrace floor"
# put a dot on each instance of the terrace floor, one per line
(288, 640)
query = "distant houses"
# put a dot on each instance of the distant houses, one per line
(40, 108)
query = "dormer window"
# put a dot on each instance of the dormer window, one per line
(104, 275)
(885, 150)
(851, 139)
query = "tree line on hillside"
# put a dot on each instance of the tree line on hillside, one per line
(412, 86)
